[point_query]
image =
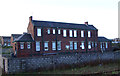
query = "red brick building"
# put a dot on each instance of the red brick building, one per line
(47, 37)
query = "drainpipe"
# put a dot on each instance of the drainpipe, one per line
(86, 41)
(56, 37)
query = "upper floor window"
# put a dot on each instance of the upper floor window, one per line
(75, 45)
(100, 44)
(92, 44)
(28, 45)
(89, 45)
(64, 33)
(71, 45)
(37, 46)
(54, 45)
(75, 33)
(48, 30)
(89, 34)
(95, 44)
(70, 33)
(106, 45)
(82, 33)
(53, 31)
(38, 31)
(59, 45)
(82, 45)
(59, 31)
(46, 46)
(22, 45)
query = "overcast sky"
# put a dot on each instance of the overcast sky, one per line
(103, 14)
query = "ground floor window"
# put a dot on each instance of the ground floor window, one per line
(75, 45)
(59, 45)
(28, 45)
(37, 46)
(54, 45)
(106, 45)
(21, 45)
(71, 45)
(89, 45)
(46, 45)
(82, 45)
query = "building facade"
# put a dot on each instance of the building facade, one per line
(47, 37)
(6, 41)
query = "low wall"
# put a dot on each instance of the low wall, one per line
(13, 65)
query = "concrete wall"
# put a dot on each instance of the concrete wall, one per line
(13, 65)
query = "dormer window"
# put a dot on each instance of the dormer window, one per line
(38, 31)
(28, 45)
(53, 31)
(48, 31)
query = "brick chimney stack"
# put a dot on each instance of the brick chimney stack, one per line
(30, 18)
(86, 23)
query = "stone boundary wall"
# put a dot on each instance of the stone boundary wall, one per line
(14, 65)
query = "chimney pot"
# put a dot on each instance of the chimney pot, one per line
(86, 23)
(30, 18)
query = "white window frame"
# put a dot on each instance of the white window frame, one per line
(75, 33)
(106, 43)
(21, 45)
(38, 31)
(53, 31)
(89, 33)
(37, 45)
(89, 45)
(46, 45)
(70, 33)
(71, 45)
(59, 45)
(75, 45)
(48, 31)
(82, 33)
(53, 45)
(82, 45)
(59, 31)
(28, 45)
(64, 33)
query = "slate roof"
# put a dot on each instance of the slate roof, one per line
(24, 38)
(62, 25)
(103, 39)
(6, 38)
(15, 36)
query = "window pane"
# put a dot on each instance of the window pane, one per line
(75, 33)
(89, 34)
(64, 33)
(70, 33)
(71, 45)
(48, 31)
(53, 45)
(82, 33)
(46, 46)
(75, 45)
(59, 45)
(38, 32)
(92, 44)
(59, 31)
(95, 44)
(106, 45)
(22, 45)
(101, 45)
(53, 31)
(89, 45)
(28, 45)
(82, 45)
(37, 46)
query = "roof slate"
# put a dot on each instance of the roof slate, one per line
(15, 36)
(24, 38)
(62, 25)
(103, 39)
